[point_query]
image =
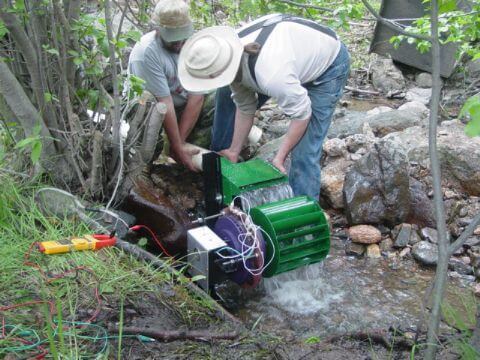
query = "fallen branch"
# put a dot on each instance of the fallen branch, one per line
(172, 335)
(360, 91)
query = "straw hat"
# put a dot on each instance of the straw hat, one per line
(210, 59)
(173, 20)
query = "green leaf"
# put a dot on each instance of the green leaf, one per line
(447, 6)
(53, 51)
(312, 340)
(142, 242)
(198, 278)
(25, 142)
(78, 61)
(36, 151)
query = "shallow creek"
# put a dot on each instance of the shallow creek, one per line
(340, 295)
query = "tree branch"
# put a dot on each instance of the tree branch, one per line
(388, 23)
(465, 235)
(306, 6)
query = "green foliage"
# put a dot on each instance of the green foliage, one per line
(471, 108)
(462, 317)
(312, 340)
(234, 12)
(455, 26)
(32, 143)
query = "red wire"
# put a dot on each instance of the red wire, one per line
(138, 227)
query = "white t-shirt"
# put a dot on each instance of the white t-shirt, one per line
(292, 55)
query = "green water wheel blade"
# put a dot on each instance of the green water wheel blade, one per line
(297, 233)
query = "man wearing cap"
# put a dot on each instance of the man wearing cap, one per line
(154, 59)
(301, 64)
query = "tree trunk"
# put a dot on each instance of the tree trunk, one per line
(152, 131)
(443, 254)
(24, 111)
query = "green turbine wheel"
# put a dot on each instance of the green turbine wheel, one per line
(298, 230)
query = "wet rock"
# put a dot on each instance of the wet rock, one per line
(376, 188)
(333, 178)
(476, 289)
(459, 266)
(335, 147)
(386, 77)
(449, 194)
(476, 231)
(419, 94)
(459, 154)
(459, 251)
(354, 249)
(430, 235)
(463, 212)
(424, 80)
(364, 234)
(373, 251)
(425, 252)
(386, 245)
(355, 157)
(156, 211)
(402, 235)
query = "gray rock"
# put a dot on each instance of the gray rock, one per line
(419, 94)
(402, 235)
(416, 107)
(472, 241)
(376, 188)
(386, 245)
(459, 154)
(357, 141)
(414, 237)
(430, 235)
(335, 147)
(381, 124)
(421, 206)
(386, 76)
(425, 252)
(473, 68)
(424, 80)
(354, 249)
(459, 266)
(379, 110)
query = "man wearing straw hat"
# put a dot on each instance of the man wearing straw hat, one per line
(154, 59)
(299, 63)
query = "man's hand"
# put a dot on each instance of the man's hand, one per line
(279, 162)
(230, 155)
(183, 155)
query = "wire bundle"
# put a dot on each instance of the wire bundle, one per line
(249, 239)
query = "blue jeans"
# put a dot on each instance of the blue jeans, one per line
(324, 93)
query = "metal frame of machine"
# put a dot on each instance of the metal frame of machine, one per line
(272, 238)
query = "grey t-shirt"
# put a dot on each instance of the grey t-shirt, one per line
(158, 67)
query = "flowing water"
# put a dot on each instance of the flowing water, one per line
(266, 195)
(340, 295)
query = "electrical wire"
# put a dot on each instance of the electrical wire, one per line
(249, 240)
(138, 227)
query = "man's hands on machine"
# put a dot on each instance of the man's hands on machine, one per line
(183, 155)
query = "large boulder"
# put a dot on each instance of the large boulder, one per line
(458, 153)
(376, 188)
(381, 123)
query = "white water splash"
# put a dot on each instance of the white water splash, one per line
(302, 291)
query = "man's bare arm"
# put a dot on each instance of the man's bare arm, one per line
(190, 115)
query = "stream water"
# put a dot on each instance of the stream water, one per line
(340, 295)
